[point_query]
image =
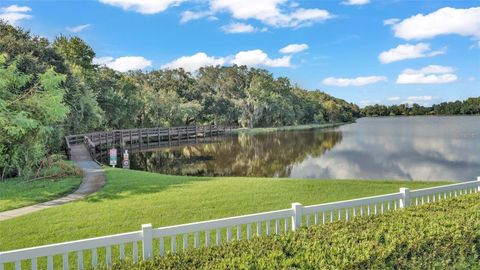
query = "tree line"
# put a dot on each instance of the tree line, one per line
(50, 89)
(469, 106)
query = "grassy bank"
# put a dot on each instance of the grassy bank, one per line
(131, 198)
(59, 179)
(286, 128)
(443, 235)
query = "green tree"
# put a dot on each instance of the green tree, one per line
(30, 108)
(85, 113)
(119, 98)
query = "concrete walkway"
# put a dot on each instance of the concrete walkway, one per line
(93, 180)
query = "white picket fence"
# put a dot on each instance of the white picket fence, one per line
(223, 230)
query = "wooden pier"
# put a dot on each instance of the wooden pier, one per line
(98, 143)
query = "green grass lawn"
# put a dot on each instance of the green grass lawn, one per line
(131, 198)
(16, 193)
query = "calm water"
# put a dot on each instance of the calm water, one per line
(417, 148)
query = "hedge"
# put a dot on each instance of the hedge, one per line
(442, 235)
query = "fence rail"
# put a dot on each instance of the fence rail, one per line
(221, 230)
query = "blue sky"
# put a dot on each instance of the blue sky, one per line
(364, 51)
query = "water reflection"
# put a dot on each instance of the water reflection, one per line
(417, 148)
(270, 154)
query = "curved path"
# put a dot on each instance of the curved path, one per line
(93, 180)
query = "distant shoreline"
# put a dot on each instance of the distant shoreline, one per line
(287, 128)
(420, 115)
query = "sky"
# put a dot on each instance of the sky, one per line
(364, 51)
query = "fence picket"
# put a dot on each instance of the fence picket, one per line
(229, 234)
(196, 240)
(94, 257)
(80, 259)
(135, 251)
(122, 251)
(207, 238)
(218, 239)
(162, 246)
(49, 263)
(173, 243)
(34, 264)
(65, 261)
(185, 241)
(239, 232)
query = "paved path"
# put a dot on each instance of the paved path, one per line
(93, 180)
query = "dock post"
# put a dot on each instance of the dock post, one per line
(148, 138)
(169, 139)
(131, 141)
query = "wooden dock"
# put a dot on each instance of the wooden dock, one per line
(137, 140)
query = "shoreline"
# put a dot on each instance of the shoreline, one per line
(288, 128)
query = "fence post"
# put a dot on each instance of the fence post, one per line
(478, 179)
(147, 236)
(297, 216)
(405, 200)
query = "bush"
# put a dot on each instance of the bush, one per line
(444, 235)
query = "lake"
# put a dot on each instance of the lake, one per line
(407, 148)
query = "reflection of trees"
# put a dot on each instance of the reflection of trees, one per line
(269, 154)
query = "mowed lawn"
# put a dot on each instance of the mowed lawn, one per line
(131, 198)
(16, 193)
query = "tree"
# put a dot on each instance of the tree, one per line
(85, 113)
(30, 108)
(119, 99)
(469, 106)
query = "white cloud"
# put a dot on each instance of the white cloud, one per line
(304, 17)
(78, 28)
(143, 6)
(366, 102)
(294, 48)
(391, 21)
(257, 57)
(193, 15)
(432, 74)
(408, 51)
(15, 14)
(436, 69)
(420, 98)
(356, 2)
(359, 81)
(251, 58)
(236, 28)
(102, 61)
(269, 12)
(475, 45)
(194, 62)
(15, 8)
(464, 22)
(393, 98)
(124, 63)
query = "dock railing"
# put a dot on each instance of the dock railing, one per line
(142, 138)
